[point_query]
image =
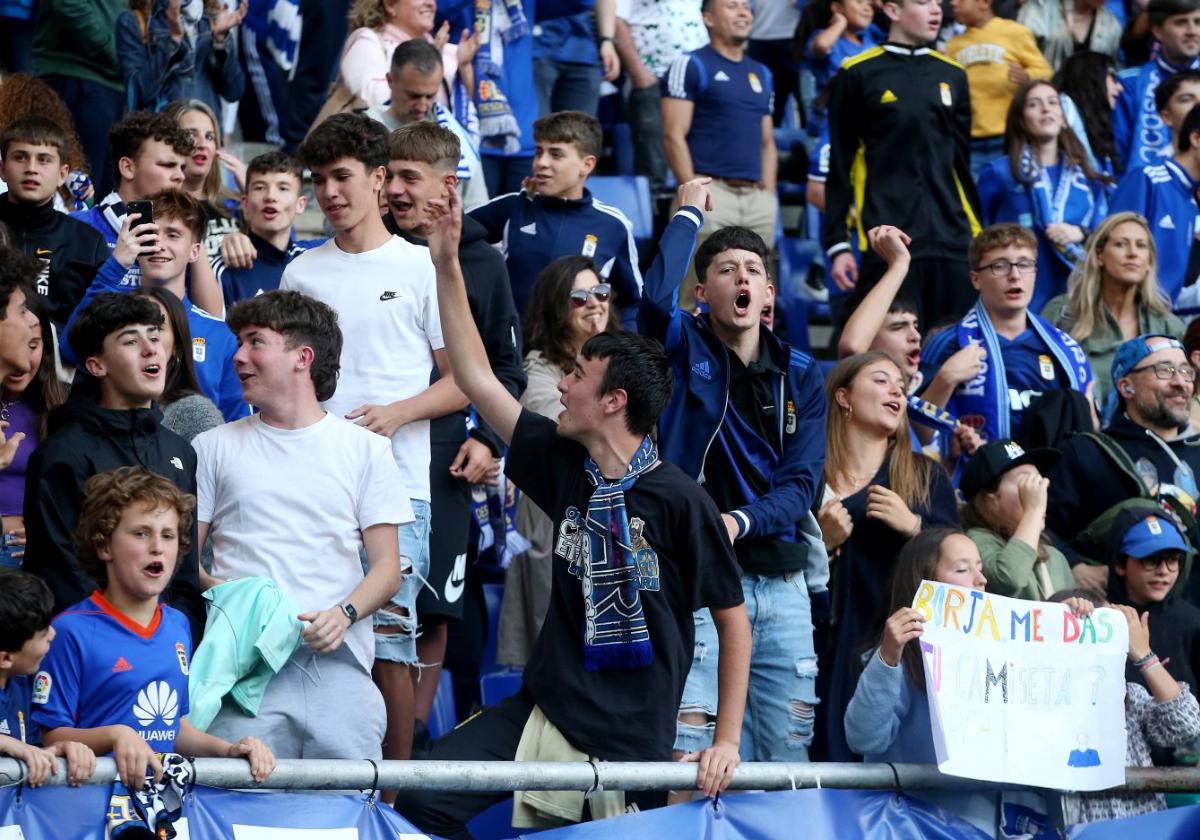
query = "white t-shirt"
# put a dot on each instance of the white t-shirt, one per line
(291, 505)
(386, 302)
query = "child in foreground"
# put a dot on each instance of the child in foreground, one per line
(117, 678)
(25, 636)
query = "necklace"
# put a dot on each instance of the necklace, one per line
(5, 405)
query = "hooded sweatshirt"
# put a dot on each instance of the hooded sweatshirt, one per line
(85, 439)
(1086, 482)
(491, 301)
(1174, 633)
(71, 252)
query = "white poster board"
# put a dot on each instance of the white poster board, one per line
(1022, 691)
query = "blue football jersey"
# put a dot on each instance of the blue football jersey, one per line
(104, 669)
(14, 711)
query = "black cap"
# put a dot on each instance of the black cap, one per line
(997, 457)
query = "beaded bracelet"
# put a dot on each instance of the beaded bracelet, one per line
(1144, 659)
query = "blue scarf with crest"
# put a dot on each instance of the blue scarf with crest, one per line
(987, 394)
(615, 632)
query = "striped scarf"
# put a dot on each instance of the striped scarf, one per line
(615, 632)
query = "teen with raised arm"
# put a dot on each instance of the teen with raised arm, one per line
(594, 667)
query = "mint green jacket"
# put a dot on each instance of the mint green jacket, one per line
(252, 632)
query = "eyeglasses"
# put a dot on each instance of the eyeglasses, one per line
(1166, 370)
(1171, 561)
(601, 292)
(1002, 268)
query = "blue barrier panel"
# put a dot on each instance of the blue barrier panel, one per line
(210, 814)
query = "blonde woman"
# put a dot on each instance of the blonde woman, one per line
(1114, 297)
(878, 494)
(377, 27)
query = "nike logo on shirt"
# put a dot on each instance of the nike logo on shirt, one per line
(389, 295)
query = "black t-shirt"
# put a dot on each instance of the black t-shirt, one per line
(621, 714)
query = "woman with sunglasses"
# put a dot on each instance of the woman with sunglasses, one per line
(569, 304)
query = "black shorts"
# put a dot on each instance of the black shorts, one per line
(449, 530)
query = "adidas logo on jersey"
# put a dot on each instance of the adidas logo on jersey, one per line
(888, 98)
(1166, 222)
(157, 701)
(720, 77)
(121, 666)
(702, 370)
(530, 228)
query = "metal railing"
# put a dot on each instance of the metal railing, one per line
(316, 774)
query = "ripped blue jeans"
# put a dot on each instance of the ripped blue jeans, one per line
(778, 724)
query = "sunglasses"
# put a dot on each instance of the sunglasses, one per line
(601, 291)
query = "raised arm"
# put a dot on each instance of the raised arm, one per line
(468, 358)
(868, 318)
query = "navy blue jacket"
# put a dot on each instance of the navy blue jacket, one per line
(157, 70)
(535, 231)
(264, 276)
(698, 404)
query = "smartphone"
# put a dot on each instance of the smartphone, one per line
(142, 208)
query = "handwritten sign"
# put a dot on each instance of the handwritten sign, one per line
(1023, 691)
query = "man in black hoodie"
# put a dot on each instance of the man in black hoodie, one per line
(109, 421)
(34, 150)
(423, 159)
(1154, 384)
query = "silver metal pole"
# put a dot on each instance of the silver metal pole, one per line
(292, 774)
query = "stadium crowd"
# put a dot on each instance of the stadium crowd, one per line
(254, 481)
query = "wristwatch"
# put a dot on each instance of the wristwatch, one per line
(350, 613)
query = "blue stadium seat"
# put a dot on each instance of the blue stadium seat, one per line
(442, 717)
(631, 195)
(495, 686)
(493, 596)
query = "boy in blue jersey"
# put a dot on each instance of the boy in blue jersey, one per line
(747, 420)
(555, 214)
(717, 122)
(148, 152)
(25, 636)
(1139, 133)
(164, 249)
(252, 264)
(1165, 194)
(1018, 356)
(117, 679)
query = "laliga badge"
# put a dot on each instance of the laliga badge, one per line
(790, 428)
(181, 654)
(198, 350)
(945, 89)
(41, 688)
(1046, 367)
(589, 245)
(755, 84)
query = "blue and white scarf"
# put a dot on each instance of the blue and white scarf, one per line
(615, 632)
(1049, 201)
(987, 394)
(498, 22)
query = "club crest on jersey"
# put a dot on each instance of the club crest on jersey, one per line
(947, 99)
(198, 350)
(589, 245)
(790, 427)
(755, 84)
(42, 684)
(181, 655)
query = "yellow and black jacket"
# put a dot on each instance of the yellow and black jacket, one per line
(900, 133)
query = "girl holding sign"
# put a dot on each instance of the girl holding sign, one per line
(888, 716)
(878, 493)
